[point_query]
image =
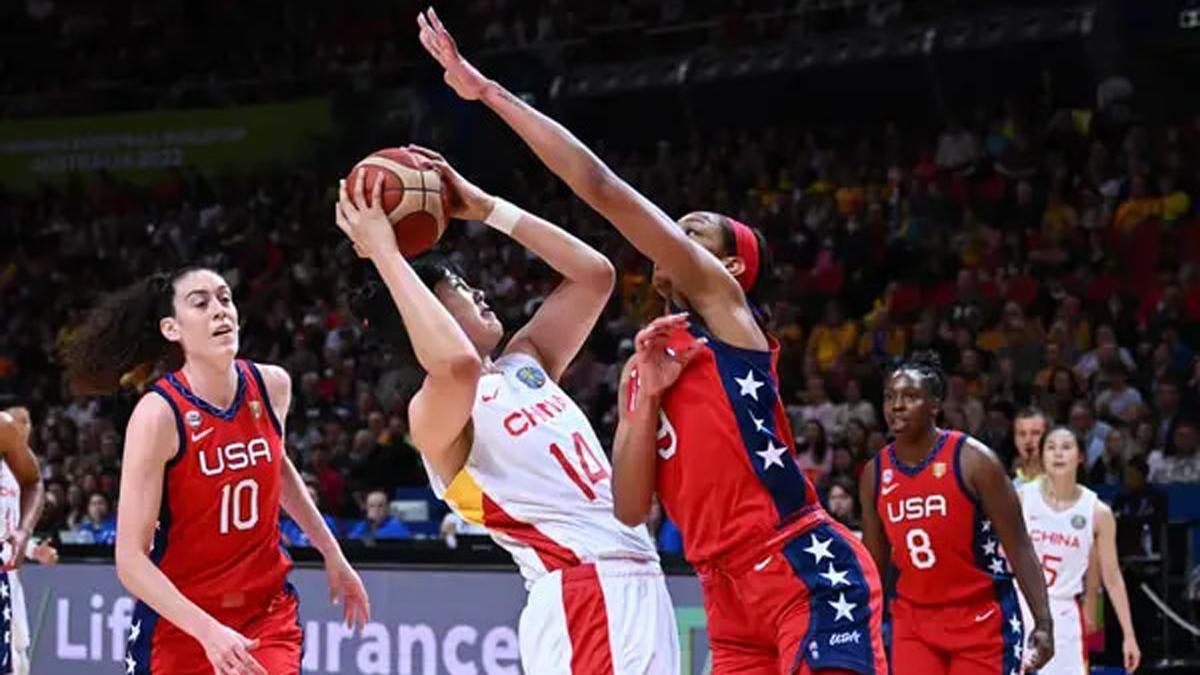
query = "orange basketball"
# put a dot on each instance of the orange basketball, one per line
(412, 197)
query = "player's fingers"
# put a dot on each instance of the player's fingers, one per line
(358, 195)
(690, 352)
(377, 194)
(339, 217)
(247, 663)
(441, 29)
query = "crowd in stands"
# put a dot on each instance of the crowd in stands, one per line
(1050, 256)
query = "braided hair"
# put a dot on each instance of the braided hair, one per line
(927, 366)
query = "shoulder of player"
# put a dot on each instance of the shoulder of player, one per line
(975, 451)
(1102, 514)
(277, 380)
(154, 422)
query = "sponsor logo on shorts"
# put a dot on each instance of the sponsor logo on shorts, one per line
(849, 637)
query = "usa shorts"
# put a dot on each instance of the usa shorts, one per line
(157, 647)
(981, 637)
(608, 617)
(804, 602)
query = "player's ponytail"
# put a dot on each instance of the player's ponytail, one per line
(120, 342)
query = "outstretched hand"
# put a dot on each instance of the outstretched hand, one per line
(658, 365)
(464, 78)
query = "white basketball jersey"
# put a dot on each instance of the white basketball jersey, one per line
(537, 477)
(10, 508)
(1061, 539)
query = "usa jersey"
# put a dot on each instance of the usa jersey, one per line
(1061, 539)
(218, 536)
(726, 470)
(942, 543)
(537, 477)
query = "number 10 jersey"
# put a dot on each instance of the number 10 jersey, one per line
(537, 477)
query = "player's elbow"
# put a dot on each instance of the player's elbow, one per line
(125, 558)
(601, 275)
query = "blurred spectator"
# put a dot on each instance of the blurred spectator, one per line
(292, 534)
(97, 526)
(813, 454)
(817, 406)
(1109, 468)
(832, 339)
(854, 408)
(1090, 431)
(454, 526)
(378, 524)
(1119, 401)
(1029, 426)
(842, 503)
(1138, 499)
(1182, 464)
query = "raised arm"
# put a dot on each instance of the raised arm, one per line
(345, 585)
(24, 466)
(645, 379)
(150, 442)
(440, 411)
(985, 477)
(874, 537)
(1114, 583)
(651, 231)
(557, 331)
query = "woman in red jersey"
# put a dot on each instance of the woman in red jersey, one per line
(787, 589)
(939, 508)
(203, 477)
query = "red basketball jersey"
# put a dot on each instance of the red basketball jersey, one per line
(218, 529)
(942, 544)
(726, 473)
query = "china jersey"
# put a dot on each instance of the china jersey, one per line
(726, 470)
(1061, 539)
(537, 477)
(943, 546)
(218, 528)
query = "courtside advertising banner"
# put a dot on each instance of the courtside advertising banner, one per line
(424, 622)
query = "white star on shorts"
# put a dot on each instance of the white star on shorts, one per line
(819, 549)
(749, 385)
(843, 608)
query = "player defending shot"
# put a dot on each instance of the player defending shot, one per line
(787, 589)
(938, 507)
(1071, 528)
(22, 475)
(508, 449)
(203, 476)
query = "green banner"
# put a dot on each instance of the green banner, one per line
(139, 146)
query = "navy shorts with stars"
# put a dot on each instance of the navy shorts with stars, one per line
(5, 624)
(802, 603)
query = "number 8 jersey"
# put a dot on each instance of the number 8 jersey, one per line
(943, 546)
(218, 536)
(537, 477)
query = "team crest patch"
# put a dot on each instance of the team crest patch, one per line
(192, 417)
(887, 475)
(256, 409)
(939, 469)
(1078, 521)
(531, 377)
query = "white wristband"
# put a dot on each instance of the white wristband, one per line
(504, 216)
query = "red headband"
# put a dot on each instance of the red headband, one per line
(746, 244)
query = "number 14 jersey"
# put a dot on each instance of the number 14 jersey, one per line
(943, 546)
(537, 477)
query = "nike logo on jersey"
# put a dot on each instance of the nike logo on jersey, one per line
(887, 489)
(201, 435)
(980, 618)
(758, 567)
(488, 399)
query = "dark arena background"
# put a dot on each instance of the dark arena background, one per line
(1013, 185)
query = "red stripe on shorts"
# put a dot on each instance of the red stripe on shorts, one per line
(553, 555)
(587, 621)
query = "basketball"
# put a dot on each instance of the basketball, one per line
(412, 197)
